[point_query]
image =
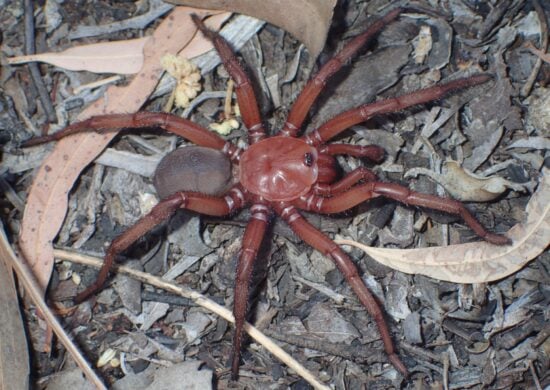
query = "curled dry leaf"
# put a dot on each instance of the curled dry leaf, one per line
(466, 186)
(476, 262)
(120, 57)
(47, 200)
(307, 20)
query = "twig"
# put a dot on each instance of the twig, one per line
(11, 195)
(96, 84)
(347, 352)
(526, 89)
(27, 280)
(535, 377)
(424, 353)
(228, 99)
(33, 66)
(201, 98)
(204, 302)
(446, 371)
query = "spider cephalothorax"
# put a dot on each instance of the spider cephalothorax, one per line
(278, 175)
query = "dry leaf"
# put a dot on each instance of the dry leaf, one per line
(476, 262)
(542, 143)
(47, 200)
(121, 57)
(14, 355)
(189, 372)
(307, 20)
(466, 186)
(12, 366)
(422, 44)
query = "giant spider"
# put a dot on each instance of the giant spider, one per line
(280, 175)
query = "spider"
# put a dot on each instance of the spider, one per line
(277, 175)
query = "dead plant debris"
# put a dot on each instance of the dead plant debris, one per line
(478, 320)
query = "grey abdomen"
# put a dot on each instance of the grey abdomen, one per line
(194, 169)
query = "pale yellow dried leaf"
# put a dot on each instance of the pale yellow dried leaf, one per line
(477, 262)
(307, 20)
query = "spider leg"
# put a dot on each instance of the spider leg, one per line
(316, 84)
(345, 120)
(345, 183)
(372, 152)
(193, 201)
(358, 194)
(329, 248)
(171, 123)
(243, 87)
(253, 236)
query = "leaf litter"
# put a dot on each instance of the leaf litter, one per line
(349, 226)
(63, 166)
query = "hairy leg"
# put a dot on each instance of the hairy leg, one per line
(372, 152)
(253, 236)
(171, 123)
(161, 212)
(329, 248)
(243, 87)
(344, 184)
(358, 194)
(345, 120)
(316, 84)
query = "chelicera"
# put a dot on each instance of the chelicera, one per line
(278, 175)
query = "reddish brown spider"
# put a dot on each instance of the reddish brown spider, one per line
(281, 174)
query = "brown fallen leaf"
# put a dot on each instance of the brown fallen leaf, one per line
(476, 262)
(121, 57)
(47, 200)
(306, 20)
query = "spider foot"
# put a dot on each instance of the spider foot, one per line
(398, 364)
(497, 239)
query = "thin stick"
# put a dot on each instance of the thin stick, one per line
(228, 99)
(526, 89)
(33, 66)
(535, 377)
(203, 301)
(27, 279)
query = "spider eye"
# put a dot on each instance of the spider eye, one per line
(308, 159)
